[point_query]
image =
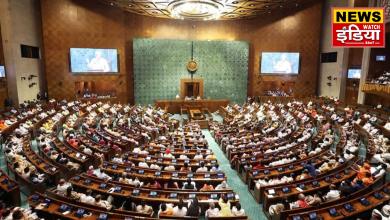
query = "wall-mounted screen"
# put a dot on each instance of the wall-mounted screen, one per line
(277, 62)
(93, 60)
(354, 73)
(380, 58)
(2, 71)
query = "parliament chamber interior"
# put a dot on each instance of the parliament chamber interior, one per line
(192, 109)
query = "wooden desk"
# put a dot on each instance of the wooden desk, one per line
(355, 203)
(53, 194)
(162, 195)
(13, 194)
(273, 171)
(177, 144)
(174, 105)
(196, 114)
(193, 163)
(190, 153)
(74, 154)
(109, 153)
(41, 165)
(198, 178)
(52, 213)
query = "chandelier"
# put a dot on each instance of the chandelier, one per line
(196, 9)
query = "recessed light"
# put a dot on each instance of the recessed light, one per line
(281, 6)
(269, 12)
(147, 6)
(242, 11)
(296, 4)
(231, 16)
(111, 3)
(154, 12)
(130, 6)
(235, 2)
(267, 6)
(251, 5)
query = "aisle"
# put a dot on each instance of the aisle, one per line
(248, 203)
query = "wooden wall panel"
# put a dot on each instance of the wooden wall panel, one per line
(352, 90)
(1, 50)
(3, 85)
(375, 70)
(69, 23)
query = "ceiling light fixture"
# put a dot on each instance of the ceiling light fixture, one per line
(111, 3)
(267, 6)
(130, 5)
(281, 6)
(196, 9)
(235, 2)
(251, 5)
(296, 4)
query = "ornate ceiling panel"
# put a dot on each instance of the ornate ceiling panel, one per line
(234, 9)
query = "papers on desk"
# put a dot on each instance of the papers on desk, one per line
(40, 206)
(270, 196)
(111, 190)
(65, 213)
(237, 197)
(299, 189)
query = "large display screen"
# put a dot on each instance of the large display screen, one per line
(380, 58)
(2, 71)
(354, 73)
(86, 60)
(277, 62)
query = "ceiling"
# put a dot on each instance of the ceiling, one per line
(234, 9)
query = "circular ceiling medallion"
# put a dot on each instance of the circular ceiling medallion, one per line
(192, 66)
(203, 10)
(196, 9)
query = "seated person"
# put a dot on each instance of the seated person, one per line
(170, 184)
(62, 187)
(358, 185)
(222, 186)
(202, 168)
(207, 187)
(212, 211)
(215, 168)
(332, 194)
(346, 188)
(87, 198)
(143, 208)
(185, 168)
(300, 203)
(189, 184)
(153, 184)
(134, 181)
(225, 206)
(367, 180)
(237, 210)
(99, 202)
(166, 209)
